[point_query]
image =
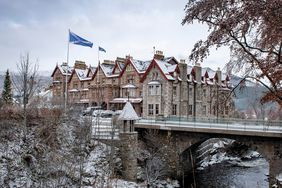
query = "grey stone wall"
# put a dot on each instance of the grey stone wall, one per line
(128, 151)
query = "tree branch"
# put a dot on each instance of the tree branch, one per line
(254, 48)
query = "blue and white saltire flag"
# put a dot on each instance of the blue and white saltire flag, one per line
(75, 39)
(102, 49)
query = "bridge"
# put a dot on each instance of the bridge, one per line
(186, 135)
(217, 126)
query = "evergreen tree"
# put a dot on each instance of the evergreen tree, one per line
(7, 90)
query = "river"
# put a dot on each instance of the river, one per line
(237, 174)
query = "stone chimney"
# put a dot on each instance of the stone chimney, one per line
(218, 73)
(120, 59)
(80, 65)
(183, 69)
(128, 57)
(108, 62)
(198, 72)
(159, 55)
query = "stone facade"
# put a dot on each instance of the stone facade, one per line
(187, 92)
(128, 151)
(161, 87)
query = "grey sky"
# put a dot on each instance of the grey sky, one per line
(121, 27)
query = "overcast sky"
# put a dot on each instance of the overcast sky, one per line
(121, 27)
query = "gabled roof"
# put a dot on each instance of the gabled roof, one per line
(63, 69)
(108, 69)
(91, 70)
(211, 73)
(81, 74)
(140, 66)
(164, 68)
(119, 66)
(171, 60)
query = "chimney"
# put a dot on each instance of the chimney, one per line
(183, 69)
(198, 72)
(159, 55)
(108, 62)
(218, 73)
(80, 65)
(128, 57)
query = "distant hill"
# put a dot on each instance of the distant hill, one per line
(44, 77)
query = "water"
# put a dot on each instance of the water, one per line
(245, 174)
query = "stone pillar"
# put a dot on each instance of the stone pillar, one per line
(275, 168)
(272, 151)
(128, 150)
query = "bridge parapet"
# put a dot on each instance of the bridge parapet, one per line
(248, 128)
(266, 123)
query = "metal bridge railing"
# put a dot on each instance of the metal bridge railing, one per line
(223, 123)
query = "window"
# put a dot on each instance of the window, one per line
(174, 90)
(204, 93)
(151, 90)
(157, 109)
(190, 91)
(204, 110)
(150, 109)
(82, 84)
(131, 92)
(75, 85)
(158, 90)
(174, 106)
(190, 109)
(199, 94)
(155, 76)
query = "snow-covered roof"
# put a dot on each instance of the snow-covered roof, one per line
(140, 66)
(124, 100)
(73, 90)
(128, 113)
(84, 100)
(189, 69)
(107, 69)
(92, 69)
(223, 76)
(171, 68)
(165, 68)
(154, 82)
(120, 65)
(82, 74)
(203, 72)
(210, 72)
(129, 86)
(64, 68)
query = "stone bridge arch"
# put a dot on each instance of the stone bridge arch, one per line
(184, 143)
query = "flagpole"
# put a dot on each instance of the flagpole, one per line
(98, 77)
(66, 86)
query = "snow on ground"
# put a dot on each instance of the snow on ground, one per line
(214, 151)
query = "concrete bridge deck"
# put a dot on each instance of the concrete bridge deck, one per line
(246, 128)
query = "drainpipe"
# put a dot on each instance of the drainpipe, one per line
(188, 99)
(195, 87)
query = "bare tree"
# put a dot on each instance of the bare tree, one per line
(26, 82)
(253, 31)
